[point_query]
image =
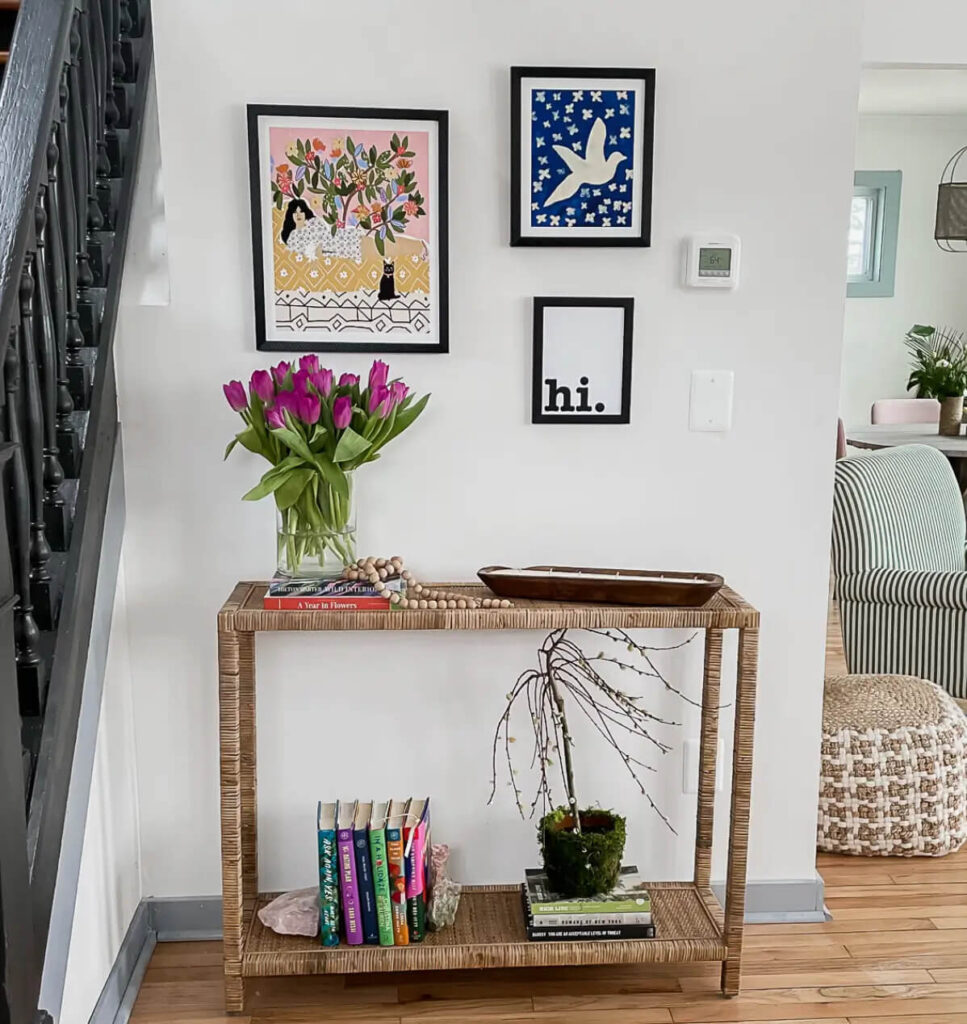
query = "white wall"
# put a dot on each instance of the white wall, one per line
(741, 113)
(109, 884)
(931, 285)
(928, 32)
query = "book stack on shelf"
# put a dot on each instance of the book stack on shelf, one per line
(373, 871)
(623, 913)
(304, 595)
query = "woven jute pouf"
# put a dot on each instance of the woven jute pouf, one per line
(894, 768)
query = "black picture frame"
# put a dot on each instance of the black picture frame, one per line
(646, 150)
(440, 197)
(542, 303)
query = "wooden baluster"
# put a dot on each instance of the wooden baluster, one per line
(111, 113)
(95, 222)
(103, 163)
(127, 28)
(40, 581)
(98, 62)
(117, 54)
(30, 669)
(55, 510)
(78, 148)
(125, 21)
(87, 317)
(68, 442)
(78, 370)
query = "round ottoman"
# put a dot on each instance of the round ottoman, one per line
(893, 781)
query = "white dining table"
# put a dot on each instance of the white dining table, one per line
(890, 435)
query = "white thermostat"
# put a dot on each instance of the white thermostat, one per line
(712, 261)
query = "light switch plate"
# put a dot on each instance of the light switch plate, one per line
(692, 750)
(710, 401)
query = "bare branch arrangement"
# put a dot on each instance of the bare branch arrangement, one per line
(564, 669)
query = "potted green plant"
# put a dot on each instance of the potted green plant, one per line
(581, 847)
(940, 371)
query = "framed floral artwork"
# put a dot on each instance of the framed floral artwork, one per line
(582, 141)
(349, 228)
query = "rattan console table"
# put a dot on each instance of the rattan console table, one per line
(489, 931)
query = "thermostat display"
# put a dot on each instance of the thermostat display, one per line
(712, 261)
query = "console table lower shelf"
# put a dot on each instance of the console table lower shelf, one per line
(489, 932)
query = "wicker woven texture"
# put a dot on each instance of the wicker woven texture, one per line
(727, 610)
(880, 702)
(894, 768)
(489, 932)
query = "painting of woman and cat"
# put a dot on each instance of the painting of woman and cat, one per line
(349, 212)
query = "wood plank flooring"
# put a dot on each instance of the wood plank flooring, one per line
(894, 953)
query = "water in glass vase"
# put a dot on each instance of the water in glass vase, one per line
(316, 536)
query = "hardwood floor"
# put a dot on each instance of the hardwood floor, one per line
(894, 953)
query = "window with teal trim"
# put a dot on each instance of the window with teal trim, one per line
(873, 227)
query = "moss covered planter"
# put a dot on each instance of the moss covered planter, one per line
(586, 862)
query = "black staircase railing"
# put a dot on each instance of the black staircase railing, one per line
(71, 106)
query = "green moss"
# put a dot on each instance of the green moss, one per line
(582, 863)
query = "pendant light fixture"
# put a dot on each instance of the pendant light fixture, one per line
(951, 229)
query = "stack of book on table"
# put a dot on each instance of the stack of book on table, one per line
(373, 871)
(304, 595)
(623, 913)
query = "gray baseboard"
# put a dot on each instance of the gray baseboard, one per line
(120, 991)
(795, 901)
(180, 918)
(185, 918)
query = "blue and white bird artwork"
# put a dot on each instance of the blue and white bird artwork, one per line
(582, 148)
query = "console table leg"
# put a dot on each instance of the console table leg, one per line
(705, 819)
(249, 786)
(234, 994)
(237, 774)
(741, 790)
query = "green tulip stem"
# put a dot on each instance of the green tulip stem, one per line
(315, 526)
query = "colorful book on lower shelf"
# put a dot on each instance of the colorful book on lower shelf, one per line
(377, 850)
(329, 595)
(397, 870)
(348, 881)
(415, 855)
(328, 875)
(364, 872)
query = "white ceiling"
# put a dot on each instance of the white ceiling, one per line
(913, 91)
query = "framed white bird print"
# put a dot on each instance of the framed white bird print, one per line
(582, 143)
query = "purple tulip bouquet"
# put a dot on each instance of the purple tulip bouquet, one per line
(315, 431)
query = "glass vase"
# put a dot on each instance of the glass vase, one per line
(316, 537)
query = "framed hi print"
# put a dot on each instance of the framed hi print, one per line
(582, 360)
(349, 228)
(581, 156)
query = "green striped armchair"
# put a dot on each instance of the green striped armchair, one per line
(898, 561)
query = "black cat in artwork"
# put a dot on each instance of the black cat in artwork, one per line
(387, 283)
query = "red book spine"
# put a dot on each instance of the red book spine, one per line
(326, 604)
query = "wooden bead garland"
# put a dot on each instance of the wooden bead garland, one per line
(378, 570)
